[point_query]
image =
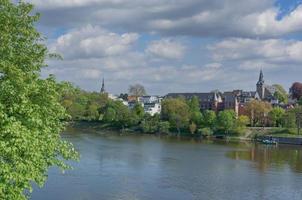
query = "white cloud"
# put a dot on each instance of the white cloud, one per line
(253, 54)
(90, 73)
(207, 18)
(267, 23)
(111, 47)
(91, 42)
(166, 48)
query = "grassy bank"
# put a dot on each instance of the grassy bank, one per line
(250, 133)
(276, 132)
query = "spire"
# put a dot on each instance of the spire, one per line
(103, 86)
(261, 77)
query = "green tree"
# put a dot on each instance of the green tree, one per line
(209, 119)
(150, 124)
(258, 112)
(30, 113)
(226, 120)
(281, 93)
(92, 111)
(298, 115)
(109, 115)
(80, 104)
(163, 127)
(123, 115)
(176, 111)
(289, 119)
(243, 121)
(276, 116)
(138, 110)
(194, 108)
(205, 132)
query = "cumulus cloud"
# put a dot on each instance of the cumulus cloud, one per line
(166, 48)
(220, 40)
(258, 53)
(206, 18)
(91, 42)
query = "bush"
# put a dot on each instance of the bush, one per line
(239, 131)
(205, 132)
(163, 127)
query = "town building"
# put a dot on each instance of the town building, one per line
(233, 100)
(208, 101)
(152, 108)
(266, 92)
(151, 104)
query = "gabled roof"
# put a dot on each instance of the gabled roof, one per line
(209, 96)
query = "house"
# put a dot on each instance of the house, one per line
(152, 108)
(151, 104)
(233, 100)
(208, 101)
(230, 101)
(149, 99)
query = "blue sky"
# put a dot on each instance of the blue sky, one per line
(173, 45)
(287, 6)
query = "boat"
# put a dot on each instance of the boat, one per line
(269, 141)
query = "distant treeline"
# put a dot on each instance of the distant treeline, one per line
(178, 115)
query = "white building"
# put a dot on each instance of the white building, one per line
(149, 99)
(152, 108)
(151, 104)
(116, 98)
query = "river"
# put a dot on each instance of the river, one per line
(140, 167)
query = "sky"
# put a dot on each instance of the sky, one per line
(173, 45)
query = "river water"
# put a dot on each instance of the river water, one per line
(114, 167)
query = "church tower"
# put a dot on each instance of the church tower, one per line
(260, 86)
(103, 87)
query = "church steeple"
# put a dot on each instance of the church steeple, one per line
(261, 77)
(103, 86)
(260, 86)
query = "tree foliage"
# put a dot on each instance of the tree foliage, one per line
(137, 90)
(226, 120)
(276, 116)
(176, 111)
(281, 93)
(193, 128)
(296, 90)
(209, 117)
(194, 108)
(30, 112)
(258, 112)
(117, 114)
(80, 104)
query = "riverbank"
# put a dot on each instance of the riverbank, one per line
(282, 135)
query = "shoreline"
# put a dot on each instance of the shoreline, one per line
(97, 126)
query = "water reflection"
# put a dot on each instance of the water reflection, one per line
(124, 167)
(268, 156)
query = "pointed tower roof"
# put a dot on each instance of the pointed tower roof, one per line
(103, 86)
(261, 77)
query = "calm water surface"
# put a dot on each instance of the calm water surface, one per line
(116, 167)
